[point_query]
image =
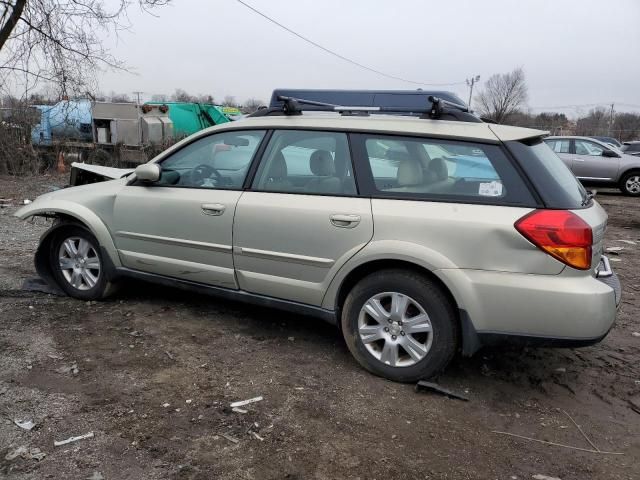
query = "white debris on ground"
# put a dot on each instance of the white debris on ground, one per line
(72, 439)
(246, 402)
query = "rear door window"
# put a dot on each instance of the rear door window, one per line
(559, 146)
(435, 169)
(306, 162)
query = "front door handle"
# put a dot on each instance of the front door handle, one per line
(214, 209)
(344, 221)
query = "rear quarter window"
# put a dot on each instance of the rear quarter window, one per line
(438, 170)
(551, 178)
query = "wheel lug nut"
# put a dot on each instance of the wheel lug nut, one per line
(402, 332)
(400, 323)
(394, 337)
(386, 329)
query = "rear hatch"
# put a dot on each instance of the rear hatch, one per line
(559, 190)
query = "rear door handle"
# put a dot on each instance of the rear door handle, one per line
(214, 209)
(344, 221)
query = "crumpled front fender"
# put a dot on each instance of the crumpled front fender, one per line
(43, 206)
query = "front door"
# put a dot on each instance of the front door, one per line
(302, 219)
(590, 165)
(181, 226)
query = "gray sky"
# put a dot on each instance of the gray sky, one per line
(574, 52)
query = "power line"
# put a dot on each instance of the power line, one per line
(585, 105)
(342, 57)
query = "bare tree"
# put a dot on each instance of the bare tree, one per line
(181, 95)
(626, 126)
(502, 95)
(229, 101)
(120, 97)
(159, 97)
(596, 122)
(206, 98)
(251, 105)
(59, 42)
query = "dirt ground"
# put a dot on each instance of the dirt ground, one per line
(157, 369)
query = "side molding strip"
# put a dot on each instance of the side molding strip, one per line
(175, 241)
(287, 257)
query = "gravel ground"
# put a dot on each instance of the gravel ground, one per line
(151, 372)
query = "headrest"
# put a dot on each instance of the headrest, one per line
(409, 173)
(278, 168)
(437, 170)
(321, 163)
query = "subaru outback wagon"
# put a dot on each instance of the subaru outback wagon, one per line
(418, 238)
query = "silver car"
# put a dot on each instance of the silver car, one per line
(595, 162)
(418, 238)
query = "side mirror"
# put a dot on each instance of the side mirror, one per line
(609, 153)
(148, 172)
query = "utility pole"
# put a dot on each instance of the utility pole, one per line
(470, 83)
(611, 120)
(138, 95)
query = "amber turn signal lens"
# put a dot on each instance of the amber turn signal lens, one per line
(560, 233)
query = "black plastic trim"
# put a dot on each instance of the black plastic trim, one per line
(497, 339)
(470, 341)
(256, 160)
(328, 316)
(473, 340)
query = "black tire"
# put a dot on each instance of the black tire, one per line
(102, 287)
(434, 302)
(627, 189)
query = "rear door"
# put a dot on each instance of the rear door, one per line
(302, 218)
(562, 147)
(589, 164)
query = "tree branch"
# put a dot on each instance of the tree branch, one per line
(12, 21)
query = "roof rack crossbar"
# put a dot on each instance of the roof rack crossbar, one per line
(438, 108)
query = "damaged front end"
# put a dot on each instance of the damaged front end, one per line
(84, 173)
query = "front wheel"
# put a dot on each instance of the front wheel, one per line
(77, 264)
(400, 325)
(630, 184)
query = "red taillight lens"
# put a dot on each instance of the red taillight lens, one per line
(560, 233)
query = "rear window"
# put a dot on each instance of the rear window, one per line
(631, 147)
(441, 170)
(552, 179)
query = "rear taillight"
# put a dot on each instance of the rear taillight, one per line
(560, 233)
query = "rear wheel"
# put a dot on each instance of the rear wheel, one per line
(400, 325)
(630, 184)
(77, 264)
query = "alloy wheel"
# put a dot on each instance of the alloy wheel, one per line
(633, 184)
(395, 329)
(79, 263)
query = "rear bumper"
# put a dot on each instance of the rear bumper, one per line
(543, 310)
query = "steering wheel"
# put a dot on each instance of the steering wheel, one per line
(203, 171)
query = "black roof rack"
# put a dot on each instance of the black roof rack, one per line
(434, 108)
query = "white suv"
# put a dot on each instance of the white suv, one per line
(419, 238)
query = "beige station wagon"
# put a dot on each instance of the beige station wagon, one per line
(419, 238)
